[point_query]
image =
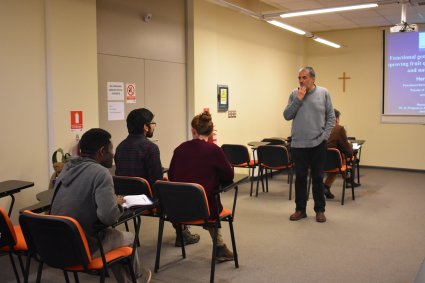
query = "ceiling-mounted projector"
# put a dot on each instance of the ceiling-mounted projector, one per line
(404, 27)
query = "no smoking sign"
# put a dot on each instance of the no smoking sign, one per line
(130, 92)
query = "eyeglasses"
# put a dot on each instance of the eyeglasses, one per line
(152, 123)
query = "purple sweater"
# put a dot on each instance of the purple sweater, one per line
(197, 161)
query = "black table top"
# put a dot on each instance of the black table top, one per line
(44, 198)
(256, 144)
(237, 179)
(13, 186)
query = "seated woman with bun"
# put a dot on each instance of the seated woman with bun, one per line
(198, 161)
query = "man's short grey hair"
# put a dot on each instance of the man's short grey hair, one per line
(310, 71)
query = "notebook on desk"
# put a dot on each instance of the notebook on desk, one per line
(136, 200)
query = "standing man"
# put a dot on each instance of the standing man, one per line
(137, 156)
(85, 191)
(310, 108)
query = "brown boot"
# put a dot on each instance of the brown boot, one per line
(188, 238)
(320, 216)
(297, 215)
(224, 254)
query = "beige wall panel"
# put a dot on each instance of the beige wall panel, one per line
(388, 145)
(23, 108)
(166, 98)
(71, 67)
(119, 69)
(124, 32)
(151, 54)
(257, 61)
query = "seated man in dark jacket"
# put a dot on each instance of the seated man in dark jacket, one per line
(338, 139)
(137, 156)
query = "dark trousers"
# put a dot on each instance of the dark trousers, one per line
(313, 158)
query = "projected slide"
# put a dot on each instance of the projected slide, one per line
(405, 69)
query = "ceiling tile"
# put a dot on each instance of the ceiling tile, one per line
(388, 13)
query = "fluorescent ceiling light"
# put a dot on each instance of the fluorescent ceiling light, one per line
(327, 42)
(328, 10)
(287, 27)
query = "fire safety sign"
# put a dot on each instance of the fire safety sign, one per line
(76, 121)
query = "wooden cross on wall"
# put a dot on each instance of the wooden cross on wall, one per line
(343, 78)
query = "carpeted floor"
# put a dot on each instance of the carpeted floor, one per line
(379, 237)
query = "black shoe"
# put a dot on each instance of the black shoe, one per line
(328, 193)
(188, 238)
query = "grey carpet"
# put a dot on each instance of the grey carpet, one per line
(379, 237)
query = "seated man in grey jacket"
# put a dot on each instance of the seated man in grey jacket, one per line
(85, 191)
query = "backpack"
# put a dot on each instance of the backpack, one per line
(58, 164)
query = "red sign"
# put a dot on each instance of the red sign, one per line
(76, 120)
(131, 92)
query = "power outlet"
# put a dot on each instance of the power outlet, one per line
(231, 114)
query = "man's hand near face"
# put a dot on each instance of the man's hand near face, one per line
(301, 92)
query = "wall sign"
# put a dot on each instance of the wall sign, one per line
(115, 110)
(130, 89)
(76, 121)
(115, 90)
(222, 98)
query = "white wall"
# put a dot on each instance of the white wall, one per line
(258, 62)
(55, 64)
(23, 125)
(387, 145)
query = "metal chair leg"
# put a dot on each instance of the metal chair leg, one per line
(352, 185)
(159, 243)
(291, 176)
(27, 269)
(267, 181)
(232, 236)
(214, 252)
(131, 269)
(15, 270)
(65, 274)
(180, 232)
(77, 280)
(39, 271)
(252, 180)
(344, 177)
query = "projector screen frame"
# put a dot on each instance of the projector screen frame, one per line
(395, 118)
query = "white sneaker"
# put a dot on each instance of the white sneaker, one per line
(144, 276)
